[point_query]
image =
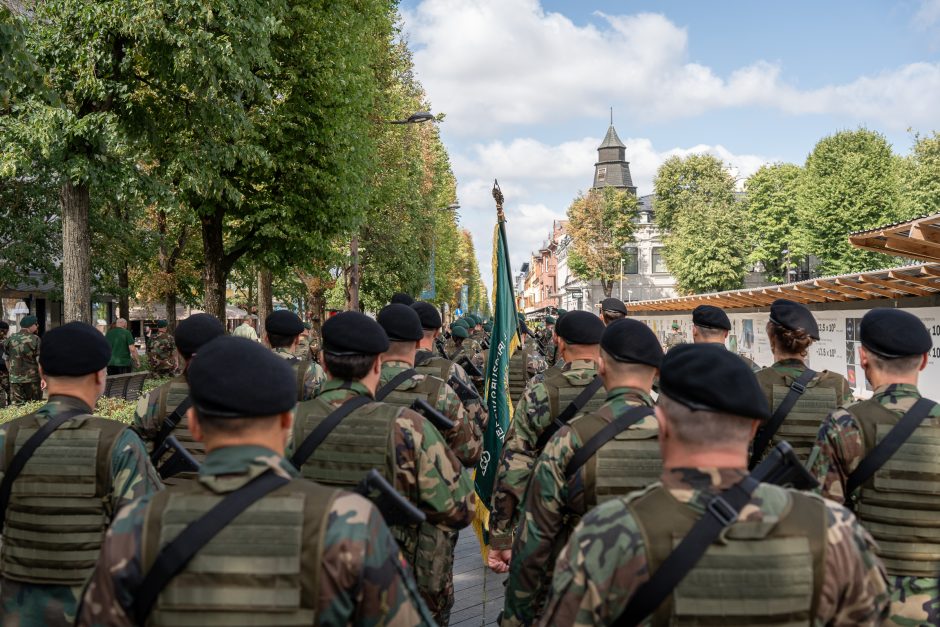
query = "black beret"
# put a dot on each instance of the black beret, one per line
(631, 341)
(4, 325)
(613, 304)
(580, 327)
(233, 377)
(73, 350)
(401, 323)
(353, 333)
(711, 317)
(710, 377)
(402, 298)
(195, 331)
(794, 316)
(430, 317)
(283, 322)
(893, 333)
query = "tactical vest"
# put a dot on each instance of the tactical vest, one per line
(428, 389)
(171, 395)
(301, 366)
(802, 424)
(59, 506)
(900, 504)
(432, 365)
(627, 463)
(262, 568)
(562, 391)
(766, 573)
(518, 373)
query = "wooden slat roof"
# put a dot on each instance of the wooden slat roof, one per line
(918, 239)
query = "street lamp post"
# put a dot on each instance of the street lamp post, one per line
(621, 278)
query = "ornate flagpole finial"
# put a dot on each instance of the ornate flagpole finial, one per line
(498, 197)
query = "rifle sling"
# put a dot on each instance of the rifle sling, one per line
(623, 422)
(318, 435)
(769, 430)
(22, 456)
(569, 412)
(393, 384)
(170, 423)
(889, 445)
(176, 554)
(721, 512)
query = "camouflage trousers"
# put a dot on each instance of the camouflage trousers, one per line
(431, 554)
(4, 388)
(915, 601)
(26, 604)
(25, 392)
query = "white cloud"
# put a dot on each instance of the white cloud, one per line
(928, 14)
(493, 63)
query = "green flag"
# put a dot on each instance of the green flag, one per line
(503, 341)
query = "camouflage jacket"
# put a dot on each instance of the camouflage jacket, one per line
(466, 438)
(675, 338)
(314, 378)
(162, 353)
(22, 351)
(367, 582)
(149, 415)
(531, 416)
(791, 369)
(605, 560)
(553, 505)
(457, 377)
(427, 472)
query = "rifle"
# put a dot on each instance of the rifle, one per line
(464, 392)
(783, 468)
(395, 509)
(439, 344)
(436, 418)
(472, 370)
(179, 460)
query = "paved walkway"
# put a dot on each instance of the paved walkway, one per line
(478, 591)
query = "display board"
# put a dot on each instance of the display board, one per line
(836, 350)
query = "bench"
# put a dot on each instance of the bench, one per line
(126, 386)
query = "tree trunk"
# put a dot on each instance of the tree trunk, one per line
(265, 299)
(170, 302)
(352, 277)
(317, 304)
(608, 287)
(124, 299)
(76, 252)
(213, 275)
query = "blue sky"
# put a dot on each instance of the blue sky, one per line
(526, 86)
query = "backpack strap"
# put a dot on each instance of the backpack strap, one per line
(889, 445)
(720, 513)
(623, 422)
(569, 412)
(22, 456)
(175, 555)
(393, 384)
(769, 430)
(170, 423)
(302, 368)
(316, 437)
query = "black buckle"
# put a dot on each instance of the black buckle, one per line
(798, 387)
(720, 509)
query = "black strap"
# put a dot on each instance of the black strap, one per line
(769, 430)
(392, 385)
(22, 456)
(721, 512)
(316, 437)
(175, 555)
(605, 435)
(171, 421)
(569, 412)
(889, 445)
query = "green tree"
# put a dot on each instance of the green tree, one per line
(771, 205)
(600, 224)
(920, 178)
(850, 183)
(702, 224)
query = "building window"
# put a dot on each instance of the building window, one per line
(659, 264)
(631, 260)
(601, 175)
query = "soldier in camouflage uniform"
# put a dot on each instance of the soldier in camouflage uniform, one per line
(897, 503)
(400, 443)
(22, 351)
(73, 486)
(302, 350)
(524, 365)
(154, 408)
(788, 558)
(163, 361)
(558, 495)
(468, 351)
(4, 373)
(427, 361)
(302, 554)
(282, 334)
(579, 335)
(792, 330)
(711, 325)
(675, 337)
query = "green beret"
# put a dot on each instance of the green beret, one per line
(28, 321)
(161, 324)
(549, 319)
(488, 326)
(308, 326)
(460, 323)
(561, 312)
(460, 331)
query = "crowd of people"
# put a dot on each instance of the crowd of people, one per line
(293, 481)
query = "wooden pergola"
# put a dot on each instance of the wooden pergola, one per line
(917, 239)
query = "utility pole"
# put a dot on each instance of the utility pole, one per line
(621, 278)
